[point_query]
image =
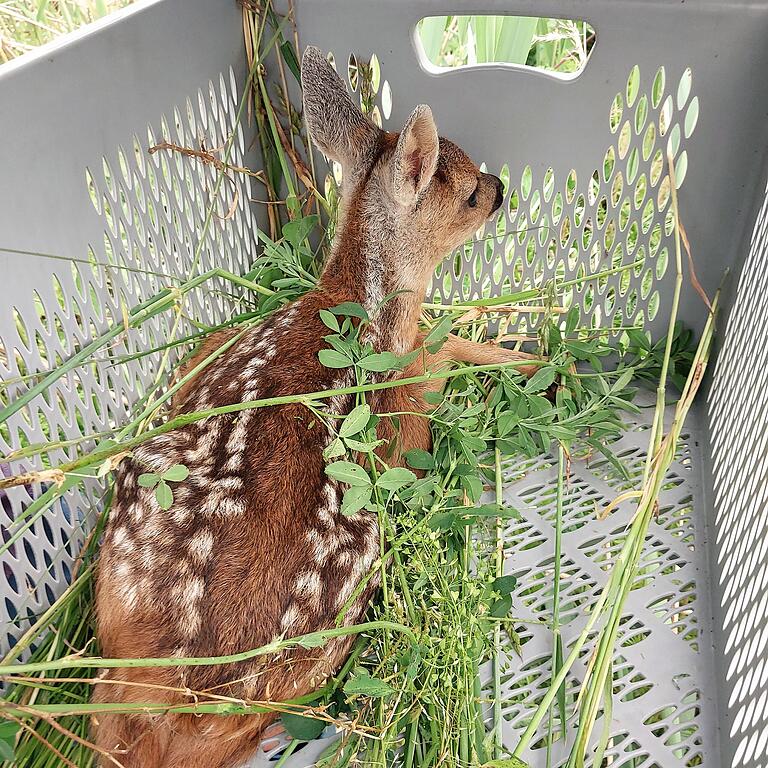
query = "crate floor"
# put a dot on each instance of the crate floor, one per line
(663, 671)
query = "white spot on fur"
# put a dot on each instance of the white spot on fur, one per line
(344, 558)
(252, 368)
(148, 557)
(127, 587)
(355, 574)
(372, 543)
(120, 537)
(191, 622)
(180, 514)
(153, 528)
(223, 505)
(331, 497)
(320, 548)
(236, 442)
(201, 545)
(309, 585)
(188, 596)
(234, 463)
(329, 505)
(129, 595)
(233, 483)
(123, 572)
(290, 617)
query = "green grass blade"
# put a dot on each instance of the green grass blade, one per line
(514, 39)
(432, 33)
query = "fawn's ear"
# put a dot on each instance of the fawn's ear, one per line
(416, 155)
(337, 126)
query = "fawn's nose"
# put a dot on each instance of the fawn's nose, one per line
(499, 193)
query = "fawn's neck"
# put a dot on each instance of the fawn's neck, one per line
(369, 261)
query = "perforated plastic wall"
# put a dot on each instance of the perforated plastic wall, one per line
(663, 676)
(737, 410)
(104, 227)
(588, 195)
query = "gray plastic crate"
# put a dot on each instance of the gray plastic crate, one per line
(691, 670)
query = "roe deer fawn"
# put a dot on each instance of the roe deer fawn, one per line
(254, 545)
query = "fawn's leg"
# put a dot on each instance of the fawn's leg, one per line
(458, 350)
(409, 402)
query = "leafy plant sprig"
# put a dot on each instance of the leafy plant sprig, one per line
(160, 482)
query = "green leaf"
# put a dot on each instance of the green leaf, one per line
(330, 358)
(380, 361)
(294, 206)
(350, 309)
(290, 58)
(8, 732)
(507, 422)
(347, 472)
(355, 421)
(638, 339)
(408, 358)
(542, 379)
(395, 478)
(473, 486)
(362, 684)
(359, 445)
(296, 231)
(176, 473)
(164, 495)
(434, 398)
(329, 320)
(312, 640)
(420, 459)
(437, 336)
(501, 607)
(504, 584)
(442, 521)
(333, 449)
(302, 727)
(506, 762)
(610, 455)
(561, 689)
(431, 31)
(148, 479)
(474, 443)
(624, 379)
(355, 498)
(572, 319)
(490, 510)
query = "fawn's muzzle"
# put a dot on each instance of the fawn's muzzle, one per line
(499, 194)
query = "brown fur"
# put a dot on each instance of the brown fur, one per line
(254, 546)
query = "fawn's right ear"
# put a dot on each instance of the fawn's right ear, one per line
(337, 126)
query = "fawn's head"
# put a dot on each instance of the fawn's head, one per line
(408, 199)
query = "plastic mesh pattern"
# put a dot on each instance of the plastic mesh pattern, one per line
(657, 667)
(606, 238)
(740, 487)
(154, 208)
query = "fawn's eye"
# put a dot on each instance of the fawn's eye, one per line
(472, 201)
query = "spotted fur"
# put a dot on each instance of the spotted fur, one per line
(255, 546)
